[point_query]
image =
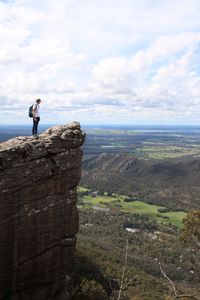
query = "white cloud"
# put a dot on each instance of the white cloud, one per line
(34, 63)
(158, 76)
(101, 58)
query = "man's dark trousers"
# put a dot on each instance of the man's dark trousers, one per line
(35, 125)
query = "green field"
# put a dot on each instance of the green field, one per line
(82, 189)
(136, 207)
(163, 151)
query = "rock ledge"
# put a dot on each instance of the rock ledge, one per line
(38, 213)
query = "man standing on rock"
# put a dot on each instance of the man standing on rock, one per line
(36, 116)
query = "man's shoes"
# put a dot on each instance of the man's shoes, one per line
(36, 136)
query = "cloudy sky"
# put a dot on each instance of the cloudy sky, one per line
(101, 61)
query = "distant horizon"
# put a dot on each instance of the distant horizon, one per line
(109, 125)
(8, 131)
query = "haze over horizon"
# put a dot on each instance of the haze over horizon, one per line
(100, 62)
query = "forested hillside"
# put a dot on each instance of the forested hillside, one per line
(172, 182)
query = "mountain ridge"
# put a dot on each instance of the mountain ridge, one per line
(173, 182)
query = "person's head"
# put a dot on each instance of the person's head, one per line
(38, 101)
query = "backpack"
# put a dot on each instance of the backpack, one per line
(30, 111)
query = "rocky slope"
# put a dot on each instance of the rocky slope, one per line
(38, 214)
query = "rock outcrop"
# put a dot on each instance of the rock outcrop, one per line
(38, 213)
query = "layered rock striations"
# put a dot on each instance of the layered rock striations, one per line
(38, 213)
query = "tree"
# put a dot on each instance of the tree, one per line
(191, 229)
(191, 234)
(124, 282)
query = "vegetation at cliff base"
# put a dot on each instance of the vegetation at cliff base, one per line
(140, 188)
(123, 203)
(102, 241)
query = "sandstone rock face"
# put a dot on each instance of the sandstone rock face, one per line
(38, 214)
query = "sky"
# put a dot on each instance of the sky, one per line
(100, 61)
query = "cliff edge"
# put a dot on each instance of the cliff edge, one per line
(38, 213)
